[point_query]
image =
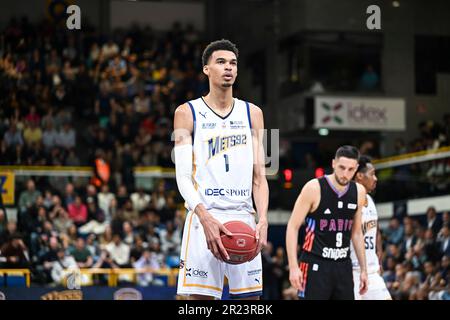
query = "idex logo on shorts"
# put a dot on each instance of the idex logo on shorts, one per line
(190, 272)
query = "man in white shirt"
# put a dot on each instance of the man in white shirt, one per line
(140, 200)
(66, 137)
(104, 201)
(148, 260)
(119, 251)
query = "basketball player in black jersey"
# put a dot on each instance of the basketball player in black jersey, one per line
(331, 209)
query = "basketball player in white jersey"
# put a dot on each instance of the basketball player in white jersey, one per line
(219, 162)
(377, 290)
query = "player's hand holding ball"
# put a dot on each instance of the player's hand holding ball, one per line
(212, 228)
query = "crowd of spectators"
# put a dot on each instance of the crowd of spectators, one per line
(416, 257)
(66, 95)
(91, 228)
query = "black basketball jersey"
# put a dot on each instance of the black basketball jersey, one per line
(328, 228)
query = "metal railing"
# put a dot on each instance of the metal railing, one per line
(113, 274)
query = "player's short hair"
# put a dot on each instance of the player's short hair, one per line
(350, 152)
(218, 45)
(363, 162)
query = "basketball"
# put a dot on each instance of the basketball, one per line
(242, 244)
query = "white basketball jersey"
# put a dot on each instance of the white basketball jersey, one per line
(369, 228)
(223, 156)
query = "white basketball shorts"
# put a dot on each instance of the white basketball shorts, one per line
(202, 274)
(377, 288)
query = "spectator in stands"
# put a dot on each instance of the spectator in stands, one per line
(104, 201)
(433, 221)
(32, 134)
(62, 222)
(129, 213)
(106, 237)
(61, 266)
(369, 79)
(119, 251)
(10, 229)
(109, 49)
(138, 247)
(446, 219)
(78, 211)
(72, 159)
(394, 252)
(409, 239)
(152, 235)
(69, 194)
(394, 232)
(13, 137)
(28, 197)
(48, 258)
(66, 137)
(128, 234)
(92, 245)
(147, 261)
(140, 199)
(81, 254)
(105, 261)
(97, 223)
(431, 247)
(16, 253)
(122, 195)
(170, 240)
(444, 241)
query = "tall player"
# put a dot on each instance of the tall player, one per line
(332, 207)
(219, 162)
(365, 175)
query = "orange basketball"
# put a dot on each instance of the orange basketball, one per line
(242, 244)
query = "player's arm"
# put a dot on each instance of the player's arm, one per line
(183, 128)
(358, 238)
(302, 207)
(260, 185)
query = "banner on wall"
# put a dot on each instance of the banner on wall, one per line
(7, 186)
(359, 113)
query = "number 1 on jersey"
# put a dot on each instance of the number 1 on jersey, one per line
(227, 164)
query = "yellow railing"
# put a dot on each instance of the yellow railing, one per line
(113, 274)
(14, 272)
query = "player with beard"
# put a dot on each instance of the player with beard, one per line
(331, 209)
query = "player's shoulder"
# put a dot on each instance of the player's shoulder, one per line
(370, 200)
(254, 109)
(183, 108)
(360, 188)
(183, 117)
(312, 186)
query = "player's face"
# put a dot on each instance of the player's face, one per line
(221, 68)
(344, 169)
(368, 179)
